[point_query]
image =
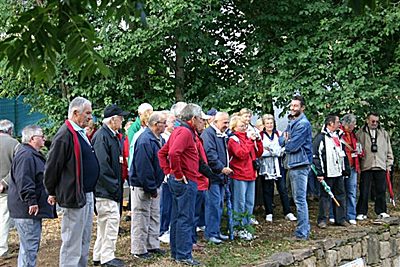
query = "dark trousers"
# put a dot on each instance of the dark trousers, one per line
(165, 207)
(377, 178)
(268, 194)
(199, 213)
(337, 187)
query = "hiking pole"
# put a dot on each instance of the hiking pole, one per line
(325, 186)
(389, 184)
(229, 208)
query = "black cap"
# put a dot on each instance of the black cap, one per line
(114, 110)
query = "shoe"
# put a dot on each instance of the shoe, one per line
(290, 217)
(96, 263)
(223, 237)
(200, 229)
(383, 215)
(128, 218)
(296, 239)
(157, 251)
(114, 263)
(215, 240)
(344, 224)
(144, 256)
(322, 225)
(191, 262)
(353, 222)
(196, 247)
(268, 218)
(164, 238)
(361, 217)
(331, 220)
(253, 221)
(243, 234)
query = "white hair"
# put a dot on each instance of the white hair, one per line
(6, 126)
(143, 107)
(29, 131)
(78, 103)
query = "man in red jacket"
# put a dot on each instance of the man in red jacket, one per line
(179, 159)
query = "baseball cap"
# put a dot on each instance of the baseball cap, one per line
(114, 110)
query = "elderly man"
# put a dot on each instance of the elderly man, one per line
(106, 144)
(146, 179)
(331, 164)
(70, 178)
(8, 147)
(179, 159)
(377, 160)
(215, 145)
(299, 156)
(27, 198)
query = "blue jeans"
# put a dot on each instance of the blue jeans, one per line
(350, 185)
(165, 208)
(298, 179)
(243, 199)
(182, 218)
(214, 209)
(199, 210)
(29, 231)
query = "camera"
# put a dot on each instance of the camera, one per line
(374, 147)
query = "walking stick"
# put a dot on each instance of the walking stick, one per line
(229, 208)
(389, 184)
(326, 187)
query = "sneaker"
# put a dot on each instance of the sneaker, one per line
(200, 229)
(331, 220)
(144, 256)
(215, 240)
(353, 222)
(383, 215)
(196, 247)
(253, 221)
(114, 263)
(243, 234)
(322, 225)
(290, 217)
(164, 238)
(223, 237)
(268, 218)
(344, 224)
(157, 251)
(96, 263)
(191, 262)
(361, 217)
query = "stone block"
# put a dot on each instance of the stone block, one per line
(394, 230)
(398, 245)
(393, 247)
(319, 253)
(331, 258)
(396, 261)
(283, 258)
(327, 243)
(301, 254)
(385, 249)
(386, 236)
(386, 263)
(269, 263)
(345, 253)
(373, 255)
(356, 250)
(309, 262)
(364, 247)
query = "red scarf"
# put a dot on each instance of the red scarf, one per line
(77, 152)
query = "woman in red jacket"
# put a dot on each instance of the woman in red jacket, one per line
(243, 148)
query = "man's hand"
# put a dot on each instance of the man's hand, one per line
(51, 200)
(34, 209)
(320, 178)
(2, 188)
(227, 171)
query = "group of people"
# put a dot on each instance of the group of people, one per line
(182, 166)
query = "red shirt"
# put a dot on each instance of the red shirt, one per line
(179, 156)
(242, 154)
(202, 183)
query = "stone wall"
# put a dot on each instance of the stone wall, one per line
(377, 245)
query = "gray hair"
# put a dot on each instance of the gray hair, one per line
(189, 111)
(220, 114)
(177, 108)
(348, 119)
(78, 103)
(29, 131)
(107, 120)
(155, 117)
(6, 126)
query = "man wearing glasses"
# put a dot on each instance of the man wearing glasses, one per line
(378, 158)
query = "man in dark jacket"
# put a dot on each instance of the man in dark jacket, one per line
(215, 140)
(70, 178)
(108, 150)
(146, 178)
(27, 197)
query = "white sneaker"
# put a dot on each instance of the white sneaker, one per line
(243, 234)
(290, 217)
(253, 221)
(352, 222)
(332, 221)
(164, 238)
(268, 218)
(361, 217)
(383, 215)
(200, 229)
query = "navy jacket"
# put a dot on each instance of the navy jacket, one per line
(145, 171)
(26, 186)
(108, 150)
(216, 150)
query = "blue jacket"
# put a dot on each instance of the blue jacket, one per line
(145, 171)
(216, 151)
(26, 186)
(298, 147)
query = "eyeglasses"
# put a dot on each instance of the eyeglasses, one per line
(41, 136)
(374, 121)
(163, 122)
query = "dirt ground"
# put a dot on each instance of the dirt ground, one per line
(270, 238)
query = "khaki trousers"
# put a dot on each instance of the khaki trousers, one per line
(145, 224)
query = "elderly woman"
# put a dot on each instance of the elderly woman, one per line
(354, 152)
(27, 197)
(271, 170)
(244, 148)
